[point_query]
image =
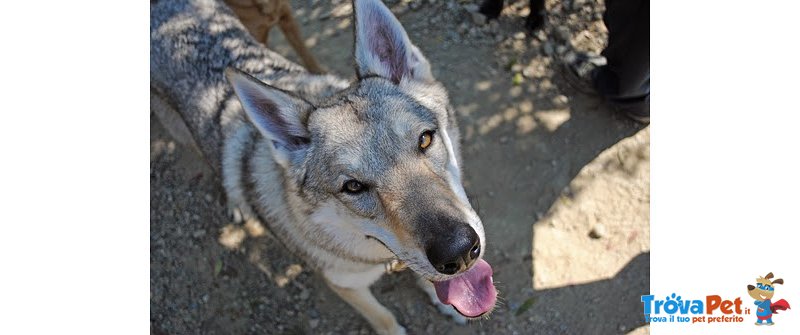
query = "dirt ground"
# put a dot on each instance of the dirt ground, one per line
(561, 182)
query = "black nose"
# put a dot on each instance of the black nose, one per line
(454, 250)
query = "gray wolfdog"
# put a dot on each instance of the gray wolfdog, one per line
(349, 176)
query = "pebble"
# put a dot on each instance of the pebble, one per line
(519, 35)
(548, 48)
(528, 72)
(598, 231)
(472, 8)
(563, 34)
(208, 197)
(401, 9)
(313, 323)
(561, 49)
(560, 100)
(541, 36)
(304, 295)
(494, 26)
(478, 18)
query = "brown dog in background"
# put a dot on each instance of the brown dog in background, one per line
(259, 16)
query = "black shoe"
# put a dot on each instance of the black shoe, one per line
(637, 109)
(535, 21)
(581, 72)
(491, 8)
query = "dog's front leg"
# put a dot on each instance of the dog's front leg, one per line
(354, 289)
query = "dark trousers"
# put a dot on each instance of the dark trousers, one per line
(625, 79)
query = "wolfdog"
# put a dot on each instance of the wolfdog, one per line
(349, 176)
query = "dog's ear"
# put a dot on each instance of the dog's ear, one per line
(383, 47)
(750, 287)
(769, 275)
(777, 281)
(277, 114)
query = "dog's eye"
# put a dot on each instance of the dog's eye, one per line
(353, 186)
(425, 139)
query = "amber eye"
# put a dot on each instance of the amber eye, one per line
(353, 186)
(425, 139)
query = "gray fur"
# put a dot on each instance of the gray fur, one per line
(366, 130)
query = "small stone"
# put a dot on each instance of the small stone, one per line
(563, 34)
(503, 139)
(205, 298)
(472, 8)
(519, 36)
(478, 18)
(304, 295)
(541, 36)
(199, 233)
(560, 100)
(313, 323)
(494, 26)
(516, 67)
(463, 29)
(622, 328)
(598, 231)
(208, 197)
(548, 48)
(561, 49)
(528, 72)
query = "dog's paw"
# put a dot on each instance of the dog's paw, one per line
(235, 214)
(395, 330)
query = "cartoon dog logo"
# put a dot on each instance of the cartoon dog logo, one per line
(763, 292)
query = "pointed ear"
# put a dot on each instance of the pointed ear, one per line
(277, 114)
(769, 275)
(383, 47)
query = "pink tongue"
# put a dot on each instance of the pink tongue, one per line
(472, 293)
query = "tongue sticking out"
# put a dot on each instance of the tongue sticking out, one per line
(472, 293)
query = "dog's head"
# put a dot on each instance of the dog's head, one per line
(765, 287)
(381, 158)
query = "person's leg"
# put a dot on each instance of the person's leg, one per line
(625, 79)
(538, 15)
(491, 8)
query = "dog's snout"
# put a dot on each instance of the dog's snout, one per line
(455, 250)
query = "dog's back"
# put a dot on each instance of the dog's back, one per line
(191, 44)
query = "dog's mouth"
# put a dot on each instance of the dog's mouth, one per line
(472, 293)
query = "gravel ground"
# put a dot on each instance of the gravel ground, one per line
(561, 182)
